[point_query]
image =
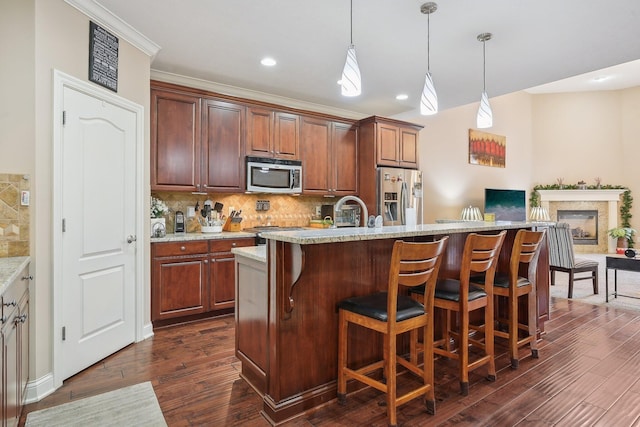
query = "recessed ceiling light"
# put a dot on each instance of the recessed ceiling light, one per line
(402, 97)
(268, 62)
(601, 78)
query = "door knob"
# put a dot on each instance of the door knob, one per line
(131, 239)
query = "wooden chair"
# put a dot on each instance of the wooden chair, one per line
(393, 313)
(511, 286)
(461, 297)
(562, 258)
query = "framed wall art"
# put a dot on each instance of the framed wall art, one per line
(487, 149)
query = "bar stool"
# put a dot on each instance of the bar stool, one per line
(460, 296)
(393, 313)
(526, 249)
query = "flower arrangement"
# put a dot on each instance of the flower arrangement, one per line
(158, 208)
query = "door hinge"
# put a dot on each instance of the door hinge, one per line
(64, 225)
(64, 333)
(64, 117)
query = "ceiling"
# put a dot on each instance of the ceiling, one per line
(534, 43)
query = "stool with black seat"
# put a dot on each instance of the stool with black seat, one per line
(461, 296)
(511, 286)
(393, 313)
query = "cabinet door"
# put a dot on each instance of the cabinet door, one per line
(223, 140)
(409, 148)
(11, 375)
(287, 135)
(23, 367)
(175, 141)
(345, 158)
(222, 276)
(388, 138)
(259, 132)
(315, 153)
(178, 286)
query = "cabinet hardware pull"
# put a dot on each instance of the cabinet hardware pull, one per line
(29, 277)
(23, 318)
(233, 244)
(182, 248)
(3, 319)
(11, 304)
(206, 261)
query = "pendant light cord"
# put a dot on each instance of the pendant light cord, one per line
(351, 36)
(428, 43)
(484, 66)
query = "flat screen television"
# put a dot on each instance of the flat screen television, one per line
(507, 205)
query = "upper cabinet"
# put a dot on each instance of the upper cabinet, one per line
(175, 141)
(395, 142)
(329, 152)
(223, 146)
(272, 133)
(197, 144)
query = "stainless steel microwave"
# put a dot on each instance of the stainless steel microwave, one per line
(265, 175)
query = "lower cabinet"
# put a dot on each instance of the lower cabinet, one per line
(15, 348)
(193, 278)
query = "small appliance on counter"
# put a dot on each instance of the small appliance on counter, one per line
(179, 225)
(348, 216)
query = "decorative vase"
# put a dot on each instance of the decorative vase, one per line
(622, 245)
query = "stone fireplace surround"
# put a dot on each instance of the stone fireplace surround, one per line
(607, 202)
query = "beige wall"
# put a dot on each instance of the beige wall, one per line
(61, 42)
(450, 182)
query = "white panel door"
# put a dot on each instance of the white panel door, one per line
(98, 157)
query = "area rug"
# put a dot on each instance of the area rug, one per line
(628, 284)
(134, 405)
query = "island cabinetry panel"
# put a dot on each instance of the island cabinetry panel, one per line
(251, 320)
(329, 156)
(271, 133)
(175, 141)
(178, 279)
(14, 335)
(223, 146)
(222, 272)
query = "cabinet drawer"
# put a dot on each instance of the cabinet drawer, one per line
(14, 292)
(180, 248)
(227, 244)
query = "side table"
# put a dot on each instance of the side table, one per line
(616, 263)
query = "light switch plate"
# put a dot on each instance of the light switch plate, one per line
(24, 198)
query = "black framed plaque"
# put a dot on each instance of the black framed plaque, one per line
(103, 57)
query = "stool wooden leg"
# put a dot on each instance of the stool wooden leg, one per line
(488, 338)
(513, 331)
(533, 320)
(343, 326)
(463, 352)
(428, 367)
(570, 284)
(391, 371)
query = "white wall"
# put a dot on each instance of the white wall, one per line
(60, 34)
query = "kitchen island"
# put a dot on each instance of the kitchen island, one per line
(292, 328)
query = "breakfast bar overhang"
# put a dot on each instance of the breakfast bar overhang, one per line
(290, 329)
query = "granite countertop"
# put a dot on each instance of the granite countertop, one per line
(257, 253)
(10, 268)
(186, 237)
(333, 235)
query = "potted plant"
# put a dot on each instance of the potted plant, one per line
(623, 236)
(158, 210)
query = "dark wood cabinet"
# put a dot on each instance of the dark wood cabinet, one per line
(223, 146)
(271, 133)
(395, 142)
(193, 278)
(222, 272)
(14, 338)
(175, 141)
(329, 157)
(178, 279)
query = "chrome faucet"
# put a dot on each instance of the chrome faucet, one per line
(365, 212)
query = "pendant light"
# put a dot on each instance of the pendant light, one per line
(485, 115)
(429, 99)
(351, 80)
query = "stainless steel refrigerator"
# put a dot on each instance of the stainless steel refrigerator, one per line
(397, 190)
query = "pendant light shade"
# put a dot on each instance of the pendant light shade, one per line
(351, 80)
(485, 115)
(429, 98)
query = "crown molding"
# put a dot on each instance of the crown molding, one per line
(254, 95)
(107, 19)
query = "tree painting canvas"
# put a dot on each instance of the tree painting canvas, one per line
(487, 149)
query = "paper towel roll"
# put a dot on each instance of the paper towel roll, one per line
(410, 215)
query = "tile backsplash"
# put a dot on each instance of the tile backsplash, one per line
(14, 217)
(284, 211)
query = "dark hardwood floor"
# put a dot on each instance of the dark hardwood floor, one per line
(588, 374)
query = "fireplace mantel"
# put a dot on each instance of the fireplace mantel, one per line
(612, 197)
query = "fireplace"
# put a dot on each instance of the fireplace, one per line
(583, 224)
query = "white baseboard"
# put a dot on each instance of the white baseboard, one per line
(39, 388)
(147, 331)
